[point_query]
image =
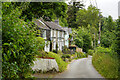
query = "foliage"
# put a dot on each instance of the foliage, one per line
(83, 39)
(108, 33)
(72, 10)
(106, 64)
(103, 50)
(107, 38)
(48, 10)
(66, 56)
(66, 50)
(89, 16)
(80, 55)
(60, 52)
(90, 52)
(117, 40)
(19, 43)
(62, 65)
(55, 51)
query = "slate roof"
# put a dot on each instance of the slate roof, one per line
(47, 24)
(53, 25)
(40, 24)
(69, 30)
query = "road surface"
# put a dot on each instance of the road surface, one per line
(81, 68)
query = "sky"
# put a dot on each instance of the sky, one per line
(107, 7)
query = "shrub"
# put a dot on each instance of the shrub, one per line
(62, 65)
(90, 52)
(106, 64)
(66, 56)
(80, 54)
(54, 51)
(59, 52)
(66, 50)
(19, 44)
(103, 50)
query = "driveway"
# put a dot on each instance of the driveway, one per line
(81, 68)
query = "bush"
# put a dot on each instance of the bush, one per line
(66, 56)
(106, 64)
(103, 50)
(66, 50)
(60, 52)
(62, 65)
(90, 52)
(54, 51)
(19, 44)
(80, 55)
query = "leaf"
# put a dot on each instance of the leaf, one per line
(6, 44)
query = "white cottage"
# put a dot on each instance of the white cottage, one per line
(57, 36)
(52, 33)
(67, 32)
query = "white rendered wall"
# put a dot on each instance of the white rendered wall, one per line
(44, 65)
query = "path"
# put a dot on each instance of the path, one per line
(81, 68)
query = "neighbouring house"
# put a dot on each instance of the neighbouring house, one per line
(53, 34)
(75, 48)
(67, 32)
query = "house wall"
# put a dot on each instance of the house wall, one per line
(66, 39)
(47, 46)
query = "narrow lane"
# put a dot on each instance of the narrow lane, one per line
(81, 68)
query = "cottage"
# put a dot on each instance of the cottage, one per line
(67, 32)
(52, 33)
(57, 35)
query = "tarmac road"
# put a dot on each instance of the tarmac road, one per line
(81, 68)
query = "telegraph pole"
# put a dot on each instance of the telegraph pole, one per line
(99, 33)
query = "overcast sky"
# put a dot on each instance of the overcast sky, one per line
(107, 7)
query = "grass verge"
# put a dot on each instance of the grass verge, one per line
(106, 64)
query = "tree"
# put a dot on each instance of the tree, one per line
(72, 10)
(19, 43)
(89, 18)
(47, 10)
(83, 39)
(108, 31)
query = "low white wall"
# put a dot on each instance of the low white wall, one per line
(44, 64)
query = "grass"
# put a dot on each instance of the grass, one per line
(106, 64)
(62, 65)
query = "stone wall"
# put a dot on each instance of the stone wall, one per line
(45, 65)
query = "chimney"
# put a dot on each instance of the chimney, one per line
(57, 21)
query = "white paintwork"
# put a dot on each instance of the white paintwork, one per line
(54, 33)
(41, 22)
(51, 32)
(44, 34)
(66, 39)
(44, 65)
(47, 46)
